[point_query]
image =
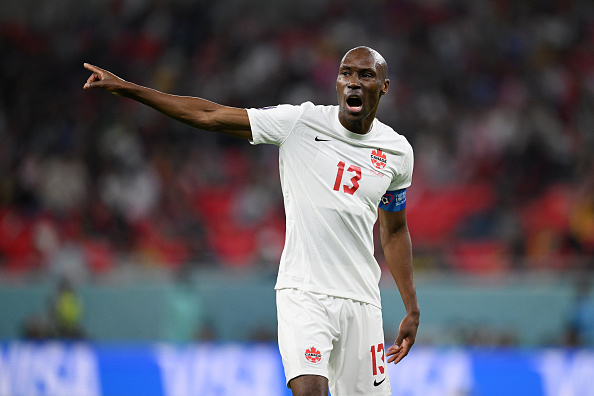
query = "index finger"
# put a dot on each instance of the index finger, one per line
(92, 68)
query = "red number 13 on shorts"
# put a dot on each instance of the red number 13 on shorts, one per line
(380, 351)
(354, 180)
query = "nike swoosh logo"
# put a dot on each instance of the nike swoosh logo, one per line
(321, 140)
(375, 383)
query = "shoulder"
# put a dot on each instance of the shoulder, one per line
(393, 139)
(311, 114)
(309, 106)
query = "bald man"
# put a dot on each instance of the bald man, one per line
(340, 169)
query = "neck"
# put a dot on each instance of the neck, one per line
(360, 127)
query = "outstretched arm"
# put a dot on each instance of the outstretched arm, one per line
(197, 112)
(397, 247)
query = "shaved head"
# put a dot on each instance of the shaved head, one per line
(380, 62)
(361, 82)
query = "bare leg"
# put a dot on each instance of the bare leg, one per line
(309, 385)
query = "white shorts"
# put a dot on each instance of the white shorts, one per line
(337, 338)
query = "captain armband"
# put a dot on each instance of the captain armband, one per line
(393, 201)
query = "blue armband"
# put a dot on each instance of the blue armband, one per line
(393, 201)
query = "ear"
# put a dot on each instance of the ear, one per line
(384, 89)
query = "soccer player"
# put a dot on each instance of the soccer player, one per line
(338, 164)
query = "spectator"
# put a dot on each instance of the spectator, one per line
(493, 93)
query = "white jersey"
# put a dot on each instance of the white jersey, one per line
(332, 182)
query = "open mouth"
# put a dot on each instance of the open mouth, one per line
(354, 103)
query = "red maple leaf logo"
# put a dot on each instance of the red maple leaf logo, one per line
(313, 355)
(378, 159)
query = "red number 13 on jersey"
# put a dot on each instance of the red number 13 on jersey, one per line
(380, 352)
(354, 180)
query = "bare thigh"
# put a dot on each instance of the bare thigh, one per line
(309, 385)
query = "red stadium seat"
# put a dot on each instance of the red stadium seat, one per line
(435, 215)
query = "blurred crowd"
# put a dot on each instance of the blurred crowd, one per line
(495, 96)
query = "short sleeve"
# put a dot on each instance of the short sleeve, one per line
(404, 170)
(273, 125)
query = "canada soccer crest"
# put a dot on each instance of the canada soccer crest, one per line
(313, 355)
(378, 159)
